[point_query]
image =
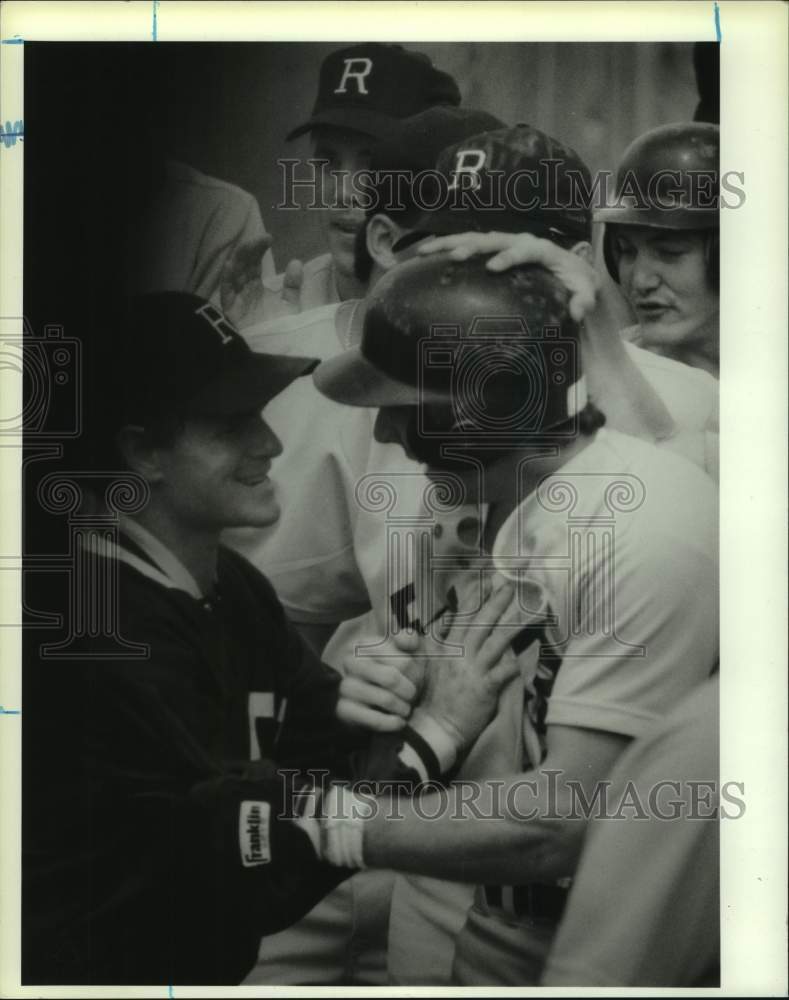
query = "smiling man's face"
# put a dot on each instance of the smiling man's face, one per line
(347, 152)
(664, 276)
(214, 474)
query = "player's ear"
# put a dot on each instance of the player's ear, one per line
(584, 250)
(138, 453)
(382, 234)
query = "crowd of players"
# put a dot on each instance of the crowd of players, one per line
(427, 562)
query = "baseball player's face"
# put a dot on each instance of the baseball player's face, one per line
(424, 433)
(215, 474)
(347, 153)
(664, 277)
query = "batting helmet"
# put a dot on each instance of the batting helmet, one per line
(668, 179)
(500, 350)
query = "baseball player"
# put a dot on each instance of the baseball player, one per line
(363, 91)
(662, 245)
(161, 840)
(655, 875)
(333, 567)
(617, 631)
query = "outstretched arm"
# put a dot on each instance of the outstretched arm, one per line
(512, 830)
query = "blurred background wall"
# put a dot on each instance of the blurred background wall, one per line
(230, 105)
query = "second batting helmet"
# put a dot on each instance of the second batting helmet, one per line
(668, 179)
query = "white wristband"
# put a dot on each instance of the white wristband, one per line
(443, 745)
(342, 826)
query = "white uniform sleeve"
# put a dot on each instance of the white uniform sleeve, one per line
(690, 394)
(661, 596)
(655, 877)
(234, 220)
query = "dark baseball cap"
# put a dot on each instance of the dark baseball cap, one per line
(179, 354)
(514, 180)
(364, 87)
(413, 146)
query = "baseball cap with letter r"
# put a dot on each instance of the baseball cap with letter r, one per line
(364, 87)
(513, 180)
(410, 150)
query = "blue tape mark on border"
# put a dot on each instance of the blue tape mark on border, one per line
(155, 31)
(170, 992)
(10, 711)
(16, 40)
(717, 21)
(11, 133)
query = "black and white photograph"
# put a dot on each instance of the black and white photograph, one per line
(380, 555)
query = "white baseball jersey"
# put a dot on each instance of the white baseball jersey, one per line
(705, 345)
(691, 396)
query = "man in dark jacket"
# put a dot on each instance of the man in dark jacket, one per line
(160, 790)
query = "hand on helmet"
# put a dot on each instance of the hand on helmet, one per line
(513, 249)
